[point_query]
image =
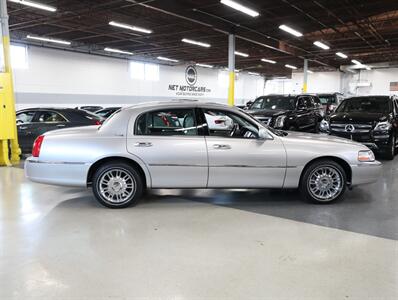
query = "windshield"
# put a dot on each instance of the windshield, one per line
(274, 102)
(365, 105)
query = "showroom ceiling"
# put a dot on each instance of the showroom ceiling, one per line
(366, 30)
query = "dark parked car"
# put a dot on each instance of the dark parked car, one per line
(330, 101)
(107, 112)
(372, 121)
(288, 112)
(35, 121)
(90, 108)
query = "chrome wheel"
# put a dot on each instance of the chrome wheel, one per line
(325, 183)
(117, 186)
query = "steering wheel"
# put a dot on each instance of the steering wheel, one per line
(234, 129)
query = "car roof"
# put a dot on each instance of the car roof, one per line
(377, 97)
(178, 103)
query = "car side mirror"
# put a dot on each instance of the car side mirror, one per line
(263, 134)
(19, 122)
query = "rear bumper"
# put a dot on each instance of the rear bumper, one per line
(57, 173)
(365, 173)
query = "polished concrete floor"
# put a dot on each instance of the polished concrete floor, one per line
(58, 243)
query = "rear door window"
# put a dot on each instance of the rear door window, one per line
(167, 123)
(49, 117)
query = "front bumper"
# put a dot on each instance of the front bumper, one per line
(57, 173)
(364, 173)
(375, 142)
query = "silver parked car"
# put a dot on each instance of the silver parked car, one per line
(172, 145)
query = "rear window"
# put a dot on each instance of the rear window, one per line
(327, 99)
(80, 115)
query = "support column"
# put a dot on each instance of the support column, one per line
(305, 83)
(231, 69)
(8, 128)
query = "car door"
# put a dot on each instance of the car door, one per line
(237, 158)
(395, 119)
(172, 146)
(25, 126)
(304, 120)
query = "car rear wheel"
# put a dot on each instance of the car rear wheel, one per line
(323, 182)
(117, 185)
(390, 149)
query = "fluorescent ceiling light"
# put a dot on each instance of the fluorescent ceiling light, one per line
(321, 45)
(240, 7)
(356, 62)
(268, 61)
(309, 71)
(35, 5)
(254, 73)
(241, 54)
(43, 39)
(204, 65)
(196, 43)
(290, 30)
(291, 67)
(118, 51)
(167, 59)
(130, 27)
(342, 55)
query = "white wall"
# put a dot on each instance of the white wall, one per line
(374, 82)
(318, 82)
(61, 78)
(364, 82)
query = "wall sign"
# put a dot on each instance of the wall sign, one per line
(189, 89)
(191, 75)
(394, 86)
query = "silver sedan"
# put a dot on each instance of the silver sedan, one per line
(191, 144)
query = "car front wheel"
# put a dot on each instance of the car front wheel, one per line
(323, 182)
(117, 185)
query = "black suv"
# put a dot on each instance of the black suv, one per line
(287, 112)
(371, 120)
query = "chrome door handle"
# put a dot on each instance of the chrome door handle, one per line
(61, 125)
(143, 144)
(221, 147)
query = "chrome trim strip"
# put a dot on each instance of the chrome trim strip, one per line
(247, 166)
(176, 165)
(222, 166)
(56, 163)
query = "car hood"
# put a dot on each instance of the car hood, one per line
(87, 130)
(357, 117)
(267, 112)
(299, 137)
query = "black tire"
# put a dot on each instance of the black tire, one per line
(131, 198)
(305, 188)
(389, 151)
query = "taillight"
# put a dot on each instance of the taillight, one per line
(37, 146)
(97, 122)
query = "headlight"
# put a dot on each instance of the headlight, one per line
(280, 121)
(324, 126)
(366, 156)
(383, 126)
